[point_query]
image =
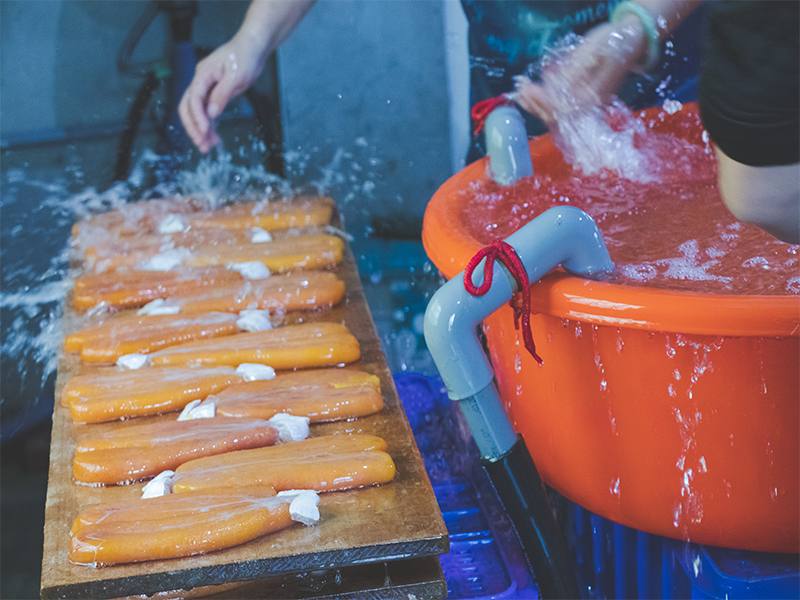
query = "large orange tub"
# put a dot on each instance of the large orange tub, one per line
(671, 412)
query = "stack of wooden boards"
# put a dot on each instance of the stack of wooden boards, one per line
(241, 315)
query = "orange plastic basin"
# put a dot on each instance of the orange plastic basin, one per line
(670, 412)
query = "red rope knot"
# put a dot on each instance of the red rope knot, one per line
(500, 250)
(484, 108)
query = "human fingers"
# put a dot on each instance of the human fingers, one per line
(193, 106)
(242, 69)
(211, 139)
(189, 125)
(533, 98)
(189, 118)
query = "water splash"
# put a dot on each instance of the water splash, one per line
(689, 509)
(41, 205)
(591, 135)
(221, 181)
(674, 234)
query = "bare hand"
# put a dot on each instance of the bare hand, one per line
(587, 74)
(221, 76)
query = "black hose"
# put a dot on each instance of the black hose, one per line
(520, 489)
(124, 64)
(132, 123)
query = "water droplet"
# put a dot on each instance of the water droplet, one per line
(614, 487)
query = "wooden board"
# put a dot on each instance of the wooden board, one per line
(419, 578)
(397, 521)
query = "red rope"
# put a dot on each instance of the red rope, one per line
(484, 108)
(500, 250)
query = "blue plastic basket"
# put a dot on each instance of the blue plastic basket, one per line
(611, 560)
(614, 561)
(485, 561)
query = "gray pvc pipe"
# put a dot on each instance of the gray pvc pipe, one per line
(564, 236)
(507, 145)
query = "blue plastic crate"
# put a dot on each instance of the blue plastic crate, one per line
(611, 560)
(614, 561)
(723, 573)
(485, 561)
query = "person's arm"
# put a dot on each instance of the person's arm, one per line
(594, 70)
(234, 66)
(765, 196)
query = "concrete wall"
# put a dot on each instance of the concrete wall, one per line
(370, 78)
(362, 80)
(58, 75)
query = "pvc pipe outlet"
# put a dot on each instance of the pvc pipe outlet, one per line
(507, 145)
(564, 236)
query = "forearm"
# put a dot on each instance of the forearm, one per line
(652, 21)
(668, 14)
(268, 23)
(766, 196)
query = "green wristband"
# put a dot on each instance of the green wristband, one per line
(623, 9)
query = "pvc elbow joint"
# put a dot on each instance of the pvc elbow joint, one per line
(564, 236)
(507, 145)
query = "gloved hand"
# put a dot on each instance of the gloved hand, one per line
(588, 73)
(221, 76)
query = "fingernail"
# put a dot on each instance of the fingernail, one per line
(213, 111)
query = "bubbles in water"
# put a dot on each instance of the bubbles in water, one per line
(672, 106)
(689, 266)
(641, 272)
(671, 233)
(757, 262)
(670, 351)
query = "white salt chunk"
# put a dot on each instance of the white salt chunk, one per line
(133, 361)
(255, 372)
(254, 320)
(199, 409)
(303, 505)
(171, 224)
(166, 261)
(158, 307)
(291, 428)
(160, 485)
(259, 235)
(251, 270)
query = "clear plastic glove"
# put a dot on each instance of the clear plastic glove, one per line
(221, 76)
(585, 74)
